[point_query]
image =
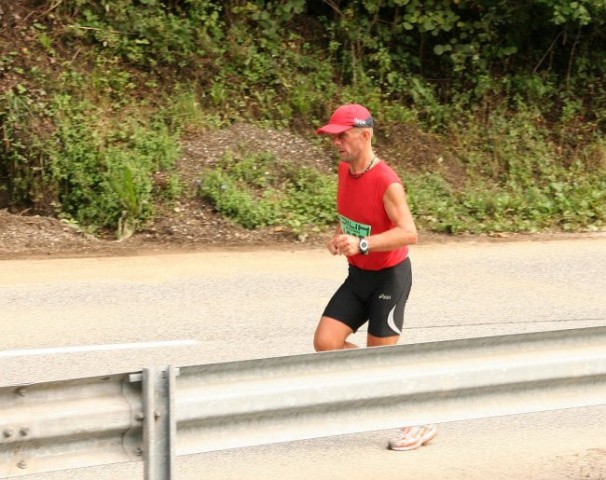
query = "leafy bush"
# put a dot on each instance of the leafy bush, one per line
(259, 191)
(149, 33)
(104, 178)
(98, 174)
(513, 90)
(516, 181)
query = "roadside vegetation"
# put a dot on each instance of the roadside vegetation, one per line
(493, 111)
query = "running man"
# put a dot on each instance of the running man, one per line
(375, 229)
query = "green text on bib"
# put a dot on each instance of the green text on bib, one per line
(350, 227)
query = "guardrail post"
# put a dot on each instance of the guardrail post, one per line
(159, 425)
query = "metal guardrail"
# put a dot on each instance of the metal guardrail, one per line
(159, 413)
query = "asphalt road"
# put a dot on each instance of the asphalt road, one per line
(233, 305)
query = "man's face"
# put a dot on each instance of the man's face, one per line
(349, 144)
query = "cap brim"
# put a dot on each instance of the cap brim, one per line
(332, 129)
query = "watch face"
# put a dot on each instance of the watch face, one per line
(364, 245)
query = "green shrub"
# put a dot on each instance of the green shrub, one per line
(513, 92)
(259, 191)
(103, 174)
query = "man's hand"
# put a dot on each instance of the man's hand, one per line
(331, 245)
(341, 244)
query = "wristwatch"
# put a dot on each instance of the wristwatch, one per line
(363, 246)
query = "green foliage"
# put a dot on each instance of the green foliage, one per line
(104, 178)
(514, 91)
(433, 203)
(517, 181)
(97, 175)
(582, 12)
(259, 191)
(22, 121)
(566, 204)
(148, 33)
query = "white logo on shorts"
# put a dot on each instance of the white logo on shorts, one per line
(391, 322)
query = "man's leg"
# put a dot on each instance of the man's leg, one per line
(332, 334)
(372, 341)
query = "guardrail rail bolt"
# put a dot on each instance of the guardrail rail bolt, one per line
(24, 431)
(22, 464)
(8, 432)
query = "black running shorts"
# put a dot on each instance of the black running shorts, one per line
(378, 297)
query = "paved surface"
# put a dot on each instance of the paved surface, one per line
(240, 305)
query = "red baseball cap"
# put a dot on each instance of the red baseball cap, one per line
(346, 117)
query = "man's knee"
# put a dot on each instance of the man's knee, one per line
(326, 340)
(323, 343)
(331, 334)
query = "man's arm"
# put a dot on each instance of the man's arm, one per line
(404, 231)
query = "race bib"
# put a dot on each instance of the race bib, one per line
(350, 227)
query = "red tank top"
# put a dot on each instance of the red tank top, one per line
(362, 212)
